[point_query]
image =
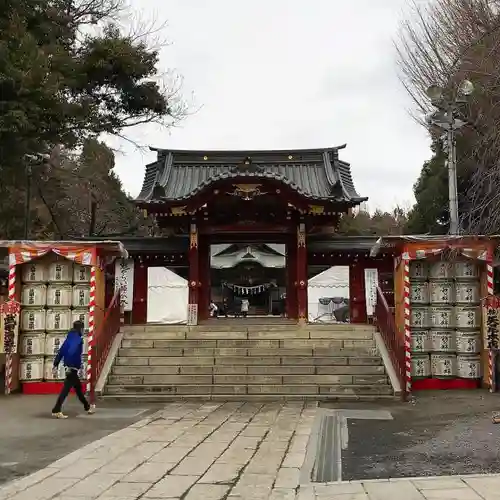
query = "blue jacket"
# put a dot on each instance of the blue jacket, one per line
(71, 351)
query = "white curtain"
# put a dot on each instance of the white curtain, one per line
(168, 296)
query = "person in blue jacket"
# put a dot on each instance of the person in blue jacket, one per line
(70, 353)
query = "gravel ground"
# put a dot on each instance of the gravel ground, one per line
(441, 433)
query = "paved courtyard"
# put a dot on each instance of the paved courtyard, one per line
(215, 451)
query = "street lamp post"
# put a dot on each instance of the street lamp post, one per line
(445, 119)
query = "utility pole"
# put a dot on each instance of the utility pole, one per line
(447, 101)
(452, 172)
(27, 200)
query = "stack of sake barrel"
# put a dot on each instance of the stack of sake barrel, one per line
(445, 319)
(55, 293)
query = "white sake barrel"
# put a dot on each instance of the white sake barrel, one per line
(81, 274)
(419, 292)
(441, 270)
(47, 370)
(34, 295)
(53, 341)
(58, 320)
(443, 340)
(467, 317)
(468, 342)
(59, 295)
(419, 270)
(34, 272)
(443, 365)
(442, 292)
(442, 317)
(31, 369)
(61, 271)
(467, 292)
(33, 320)
(32, 344)
(80, 315)
(81, 296)
(466, 269)
(469, 366)
(419, 317)
(85, 345)
(420, 341)
(420, 366)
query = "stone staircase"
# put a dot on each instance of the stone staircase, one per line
(245, 361)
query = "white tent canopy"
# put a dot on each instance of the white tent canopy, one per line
(333, 282)
(168, 296)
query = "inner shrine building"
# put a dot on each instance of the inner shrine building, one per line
(289, 198)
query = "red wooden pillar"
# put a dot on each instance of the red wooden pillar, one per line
(302, 272)
(357, 297)
(204, 270)
(194, 275)
(140, 297)
(291, 279)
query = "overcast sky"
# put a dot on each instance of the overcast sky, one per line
(286, 74)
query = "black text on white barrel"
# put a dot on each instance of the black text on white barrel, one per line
(419, 317)
(81, 296)
(443, 365)
(466, 269)
(467, 292)
(81, 315)
(443, 340)
(420, 366)
(468, 341)
(81, 274)
(31, 369)
(61, 271)
(33, 319)
(49, 366)
(53, 342)
(34, 272)
(32, 344)
(441, 269)
(469, 366)
(442, 292)
(34, 295)
(59, 295)
(467, 317)
(58, 320)
(420, 341)
(419, 292)
(419, 270)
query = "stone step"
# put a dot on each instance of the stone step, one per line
(246, 344)
(251, 335)
(327, 391)
(243, 326)
(250, 370)
(347, 351)
(336, 359)
(247, 379)
(163, 398)
(242, 338)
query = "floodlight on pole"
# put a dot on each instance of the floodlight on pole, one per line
(435, 93)
(466, 88)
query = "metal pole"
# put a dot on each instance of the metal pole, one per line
(452, 173)
(27, 202)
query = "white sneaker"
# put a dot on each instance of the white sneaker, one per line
(91, 410)
(59, 415)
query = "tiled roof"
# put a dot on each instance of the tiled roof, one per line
(316, 174)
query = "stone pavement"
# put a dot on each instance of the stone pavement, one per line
(213, 451)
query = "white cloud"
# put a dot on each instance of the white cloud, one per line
(289, 74)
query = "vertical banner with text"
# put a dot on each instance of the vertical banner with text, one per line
(124, 280)
(9, 326)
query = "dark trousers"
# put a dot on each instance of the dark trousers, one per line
(72, 381)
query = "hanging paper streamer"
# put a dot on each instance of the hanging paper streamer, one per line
(248, 290)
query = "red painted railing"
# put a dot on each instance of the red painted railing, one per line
(384, 320)
(103, 340)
